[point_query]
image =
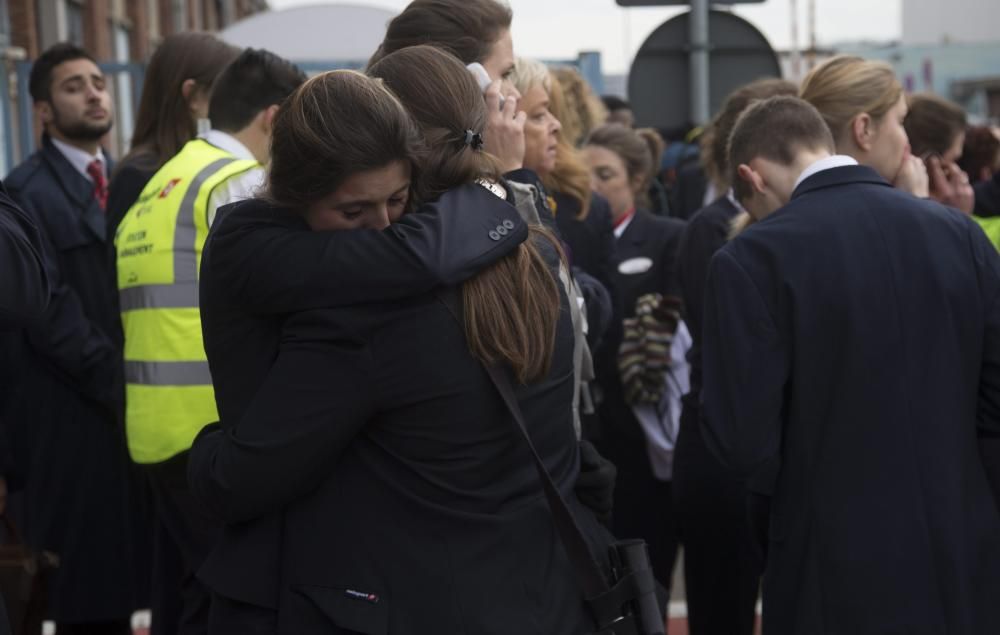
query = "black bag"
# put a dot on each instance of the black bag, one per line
(628, 606)
(22, 581)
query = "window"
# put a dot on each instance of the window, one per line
(4, 25)
(153, 20)
(124, 98)
(180, 15)
(74, 22)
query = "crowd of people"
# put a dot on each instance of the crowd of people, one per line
(265, 373)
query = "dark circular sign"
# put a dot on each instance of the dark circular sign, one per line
(659, 84)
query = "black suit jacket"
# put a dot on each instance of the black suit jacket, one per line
(24, 294)
(65, 409)
(647, 261)
(988, 197)
(413, 505)
(261, 264)
(855, 335)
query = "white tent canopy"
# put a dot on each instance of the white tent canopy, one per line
(314, 32)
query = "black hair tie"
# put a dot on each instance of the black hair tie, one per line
(474, 140)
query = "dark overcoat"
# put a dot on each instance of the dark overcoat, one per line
(64, 410)
(855, 336)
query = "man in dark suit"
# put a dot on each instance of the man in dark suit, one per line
(24, 286)
(722, 566)
(66, 404)
(854, 336)
(24, 294)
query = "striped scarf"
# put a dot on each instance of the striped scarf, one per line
(644, 355)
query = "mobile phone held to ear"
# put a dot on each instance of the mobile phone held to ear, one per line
(482, 78)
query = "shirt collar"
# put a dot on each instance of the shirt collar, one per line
(731, 196)
(622, 223)
(80, 159)
(229, 143)
(835, 161)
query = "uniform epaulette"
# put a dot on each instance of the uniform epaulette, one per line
(19, 176)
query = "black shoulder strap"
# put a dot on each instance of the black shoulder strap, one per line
(592, 579)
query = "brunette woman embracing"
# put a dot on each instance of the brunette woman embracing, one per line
(410, 503)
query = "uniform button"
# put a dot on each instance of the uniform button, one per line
(509, 224)
(501, 230)
(494, 235)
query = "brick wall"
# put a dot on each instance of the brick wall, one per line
(24, 33)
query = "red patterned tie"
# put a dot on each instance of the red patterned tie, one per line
(96, 171)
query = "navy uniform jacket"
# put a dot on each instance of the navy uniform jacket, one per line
(855, 334)
(24, 285)
(24, 294)
(65, 409)
(413, 505)
(651, 242)
(261, 263)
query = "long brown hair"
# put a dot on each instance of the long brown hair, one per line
(337, 124)
(164, 124)
(933, 124)
(511, 308)
(467, 29)
(570, 175)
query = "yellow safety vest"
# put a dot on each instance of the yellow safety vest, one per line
(991, 226)
(169, 395)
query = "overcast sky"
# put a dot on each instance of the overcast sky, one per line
(558, 29)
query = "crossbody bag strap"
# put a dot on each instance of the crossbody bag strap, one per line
(589, 572)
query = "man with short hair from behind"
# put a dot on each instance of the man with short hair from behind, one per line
(169, 390)
(64, 407)
(852, 339)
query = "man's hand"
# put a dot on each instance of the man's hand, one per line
(504, 134)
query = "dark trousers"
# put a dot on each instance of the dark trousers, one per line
(722, 563)
(643, 505)
(187, 530)
(117, 627)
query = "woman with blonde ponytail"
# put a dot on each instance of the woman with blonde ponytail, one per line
(864, 106)
(408, 502)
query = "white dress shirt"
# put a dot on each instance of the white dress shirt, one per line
(80, 159)
(240, 186)
(620, 229)
(835, 161)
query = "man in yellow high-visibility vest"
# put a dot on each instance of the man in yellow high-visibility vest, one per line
(169, 396)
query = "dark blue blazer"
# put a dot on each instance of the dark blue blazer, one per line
(24, 285)
(64, 410)
(411, 504)
(24, 294)
(261, 264)
(855, 335)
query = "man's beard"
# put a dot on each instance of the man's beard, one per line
(80, 130)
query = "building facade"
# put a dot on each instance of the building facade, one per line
(936, 22)
(121, 34)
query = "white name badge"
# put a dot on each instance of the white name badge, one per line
(633, 266)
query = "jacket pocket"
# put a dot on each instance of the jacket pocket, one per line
(358, 610)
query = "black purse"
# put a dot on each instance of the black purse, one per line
(628, 605)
